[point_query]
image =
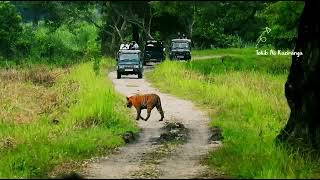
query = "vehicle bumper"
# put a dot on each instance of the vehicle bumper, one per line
(180, 57)
(129, 71)
(154, 59)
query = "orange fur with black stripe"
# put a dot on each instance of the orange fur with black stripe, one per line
(145, 101)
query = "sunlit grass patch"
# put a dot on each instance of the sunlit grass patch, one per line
(88, 119)
(247, 95)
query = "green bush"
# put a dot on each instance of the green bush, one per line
(63, 45)
(283, 19)
(24, 42)
(10, 28)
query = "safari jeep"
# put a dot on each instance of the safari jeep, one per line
(129, 62)
(154, 51)
(180, 49)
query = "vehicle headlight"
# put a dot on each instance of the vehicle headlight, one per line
(136, 66)
(121, 66)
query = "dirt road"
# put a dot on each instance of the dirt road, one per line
(145, 159)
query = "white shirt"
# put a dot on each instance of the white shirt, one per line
(136, 46)
(124, 46)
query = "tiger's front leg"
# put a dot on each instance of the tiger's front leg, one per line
(142, 117)
(149, 112)
(138, 114)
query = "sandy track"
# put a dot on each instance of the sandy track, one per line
(182, 162)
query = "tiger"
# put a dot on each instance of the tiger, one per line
(145, 101)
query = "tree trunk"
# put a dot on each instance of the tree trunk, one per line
(122, 28)
(193, 20)
(149, 28)
(302, 88)
(108, 40)
(150, 23)
(35, 21)
(104, 38)
(135, 33)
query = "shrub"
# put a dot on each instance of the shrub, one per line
(64, 45)
(10, 28)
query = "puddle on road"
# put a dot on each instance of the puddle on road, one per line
(173, 132)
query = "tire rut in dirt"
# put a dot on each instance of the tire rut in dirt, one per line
(173, 134)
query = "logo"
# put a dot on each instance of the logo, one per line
(262, 37)
(264, 52)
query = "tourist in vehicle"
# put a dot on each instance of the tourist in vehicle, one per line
(124, 45)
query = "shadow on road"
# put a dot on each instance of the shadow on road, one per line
(149, 66)
(129, 77)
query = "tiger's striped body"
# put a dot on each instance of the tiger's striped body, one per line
(145, 101)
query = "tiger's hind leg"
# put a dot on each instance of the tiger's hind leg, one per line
(159, 108)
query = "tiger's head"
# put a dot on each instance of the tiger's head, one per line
(129, 102)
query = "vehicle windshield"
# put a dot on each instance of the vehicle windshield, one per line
(129, 57)
(154, 47)
(180, 45)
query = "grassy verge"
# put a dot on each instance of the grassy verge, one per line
(229, 51)
(87, 118)
(245, 96)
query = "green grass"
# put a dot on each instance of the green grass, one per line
(229, 51)
(92, 125)
(245, 96)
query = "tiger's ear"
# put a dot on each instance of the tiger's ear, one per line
(127, 98)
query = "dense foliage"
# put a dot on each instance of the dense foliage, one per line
(283, 18)
(10, 28)
(62, 31)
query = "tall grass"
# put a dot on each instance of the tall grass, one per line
(92, 125)
(246, 98)
(222, 51)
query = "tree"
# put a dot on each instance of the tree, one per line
(31, 11)
(223, 23)
(10, 28)
(302, 88)
(116, 21)
(283, 18)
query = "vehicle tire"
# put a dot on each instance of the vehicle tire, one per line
(118, 75)
(140, 75)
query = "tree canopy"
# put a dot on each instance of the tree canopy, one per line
(210, 24)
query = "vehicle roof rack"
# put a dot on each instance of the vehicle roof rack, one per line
(129, 51)
(181, 40)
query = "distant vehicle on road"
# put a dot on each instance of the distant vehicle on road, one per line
(129, 62)
(154, 51)
(180, 49)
